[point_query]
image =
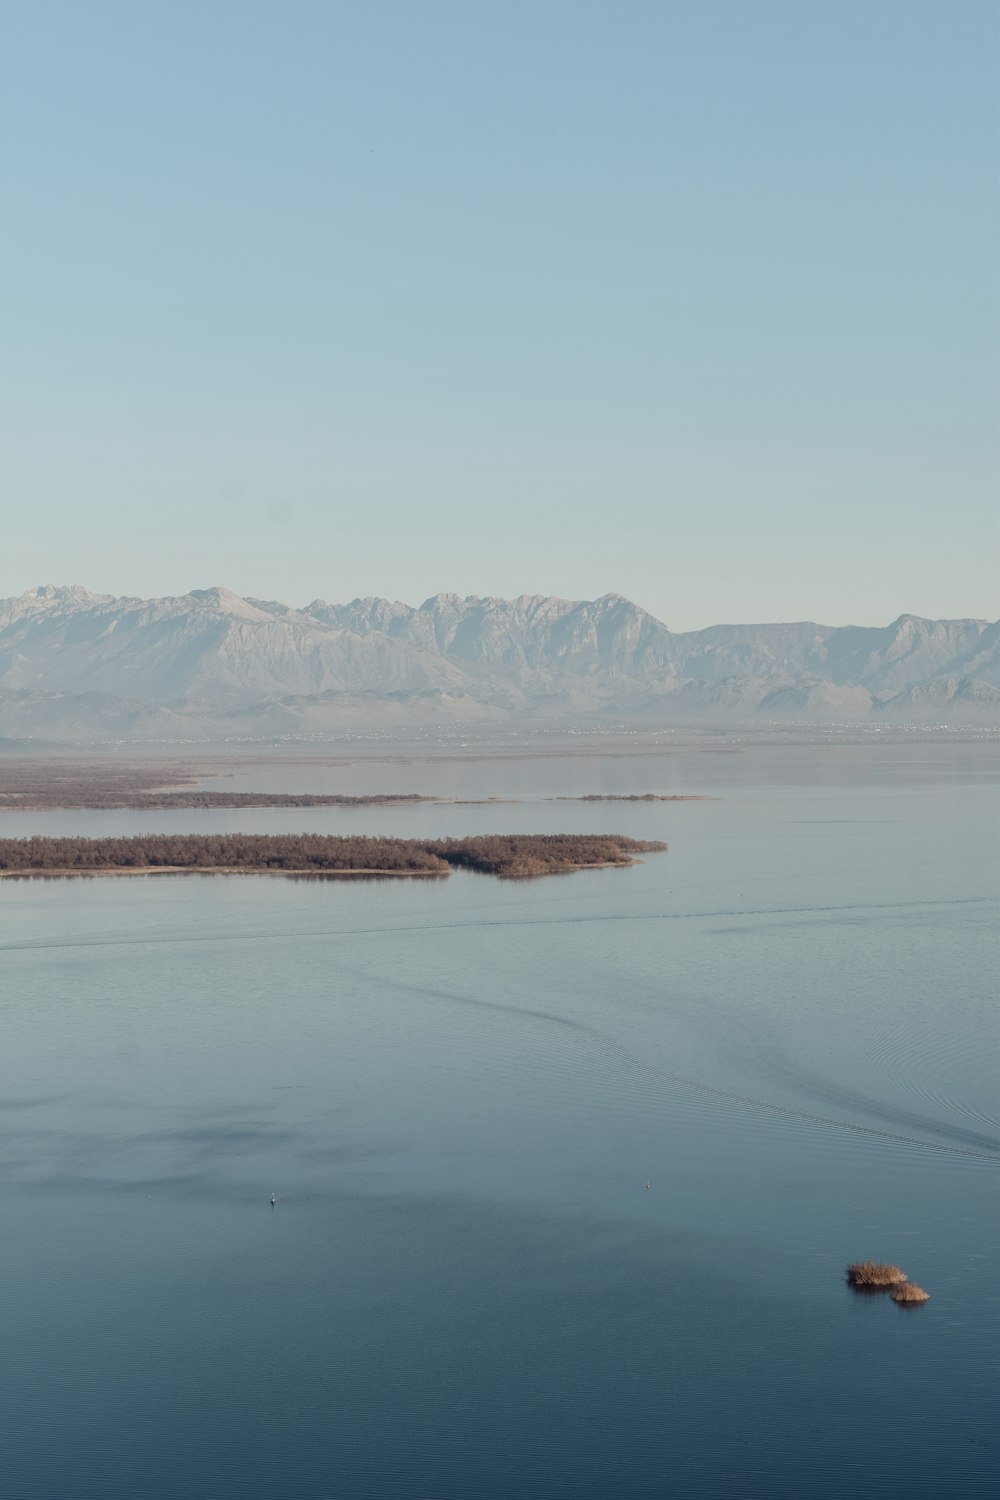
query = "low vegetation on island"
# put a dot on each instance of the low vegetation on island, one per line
(633, 797)
(872, 1276)
(909, 1292)
(875, 1274)
(510, 856)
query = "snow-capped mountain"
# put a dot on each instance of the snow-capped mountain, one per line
(74, 663)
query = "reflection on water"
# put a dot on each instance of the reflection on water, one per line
(457, 1093)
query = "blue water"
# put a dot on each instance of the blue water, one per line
(458, 1091)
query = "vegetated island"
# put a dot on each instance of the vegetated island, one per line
(875, 1274)
(872, 1276)
(509, 856)
(632, 797)
(909, 1294)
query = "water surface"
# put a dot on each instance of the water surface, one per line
(458, 1093)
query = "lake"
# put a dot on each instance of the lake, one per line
(458, 1092)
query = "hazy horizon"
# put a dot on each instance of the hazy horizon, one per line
(271, 597)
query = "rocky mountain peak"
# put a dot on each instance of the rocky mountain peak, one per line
(223, 601)
(212, 657)
(71, 594)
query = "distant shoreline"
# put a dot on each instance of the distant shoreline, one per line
(104, 799)
(58, 786)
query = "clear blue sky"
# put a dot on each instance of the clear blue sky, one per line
(693, 300)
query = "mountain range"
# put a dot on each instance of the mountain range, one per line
(81, 666)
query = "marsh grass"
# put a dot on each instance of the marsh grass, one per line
(873, 1275)
(910, 1294)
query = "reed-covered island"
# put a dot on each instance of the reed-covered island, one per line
(509, 856)
(874, 1273)
(633, 797)
(873, 1276)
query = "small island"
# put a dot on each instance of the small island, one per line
(872, 1277)
(635, 797)
(910, 1295)
(509, 856)
(875, 1275)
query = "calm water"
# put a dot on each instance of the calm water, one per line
(458, 1092)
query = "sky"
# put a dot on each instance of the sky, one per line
(691, 300)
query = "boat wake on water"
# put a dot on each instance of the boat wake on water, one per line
(962, 1143)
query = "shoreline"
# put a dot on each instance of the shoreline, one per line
(47, 785)
(308, 874)
(315, 874)
(289, 802)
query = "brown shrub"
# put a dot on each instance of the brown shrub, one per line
(909, 1293)
(873, 1273)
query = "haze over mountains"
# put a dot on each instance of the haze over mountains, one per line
(209, 664)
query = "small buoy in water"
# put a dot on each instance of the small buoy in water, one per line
(648, 1186)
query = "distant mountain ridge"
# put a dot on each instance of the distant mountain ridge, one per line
(74, 664)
